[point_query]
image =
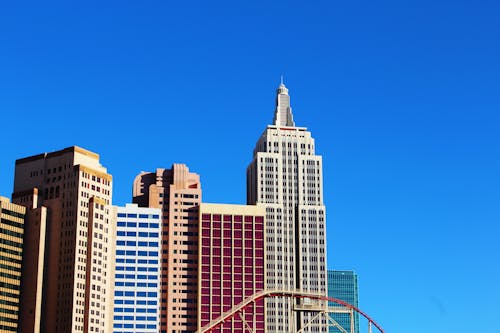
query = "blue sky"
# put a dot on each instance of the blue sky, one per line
(402, 97)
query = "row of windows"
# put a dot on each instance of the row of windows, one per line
(11, 243)
(143, 326)
(9, 303)
(11, 233)
(133, 284)
(141, 234)
(132, 269)
(9, 328)
(13, 214)
(93, 187)
(143, 261)
(287, 144)
(138, 310)
(127, 276)
(7, 319)
(141, 216)
(138, 293)
(138, 302)
(141, 224)
(11, 276)
(94, 178)
(9, 311)
(5, 286)
(134, 243)
(139, 253)
(228, 218)
(133, 261)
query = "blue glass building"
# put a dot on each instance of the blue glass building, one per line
(137, 271)
(344, 286)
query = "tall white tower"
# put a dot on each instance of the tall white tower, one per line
(286, 177)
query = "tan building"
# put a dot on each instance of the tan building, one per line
(79, 244)
(12, 218)
(178, 193)
(32, 270)
(286, 177)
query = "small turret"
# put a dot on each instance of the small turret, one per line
(283, 113)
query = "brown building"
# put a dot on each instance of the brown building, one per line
(178, 193)
(75, 257)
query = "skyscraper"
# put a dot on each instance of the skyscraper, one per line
(177, 192)
(344, 286)
(12, 219)
(231, 250)
(285, 176)
(77, 284)
(137, 272)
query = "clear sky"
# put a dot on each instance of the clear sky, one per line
(402, 97)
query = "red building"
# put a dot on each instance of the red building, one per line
(231, 249)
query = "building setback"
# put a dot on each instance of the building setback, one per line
(344, 286)
(35, 228)
(12, 219)
(231, 250)
(137, 271)
(177, 192)
(286, 177)
(79, 244)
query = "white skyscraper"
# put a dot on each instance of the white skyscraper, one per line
(286, 177)
(137, 278)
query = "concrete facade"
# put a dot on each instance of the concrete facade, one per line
(231, 251)
(80, 236)
(286, 177)
(177, 192)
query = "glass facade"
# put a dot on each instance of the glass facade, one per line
(344, 286)
(137, 272)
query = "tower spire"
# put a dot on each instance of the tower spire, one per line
(283, 112)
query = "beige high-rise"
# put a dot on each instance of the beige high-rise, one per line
(12, 218)
(286, 177)
(178, 193)
(80, 236)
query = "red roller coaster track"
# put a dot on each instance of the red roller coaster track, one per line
(277, 293)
